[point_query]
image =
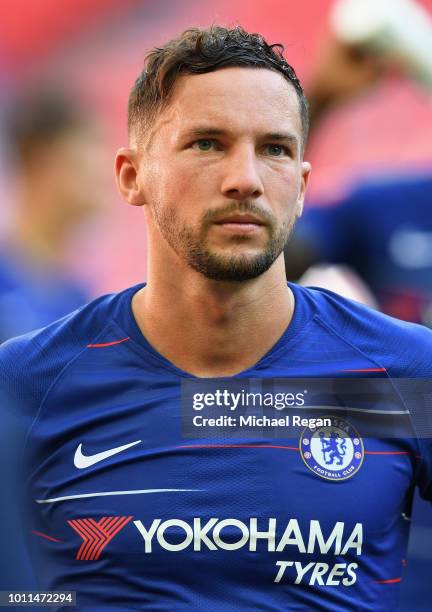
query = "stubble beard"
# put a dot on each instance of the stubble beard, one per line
(191, 246)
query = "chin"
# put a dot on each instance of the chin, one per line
(232, 268)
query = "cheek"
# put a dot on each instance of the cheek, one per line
(185, 189)
(156, 183)
(283, 189)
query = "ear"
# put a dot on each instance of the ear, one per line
(126, 172)
(306, 169)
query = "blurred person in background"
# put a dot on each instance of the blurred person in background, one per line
(55, 152)
(55, 156)
(381, 229)
(392, 254)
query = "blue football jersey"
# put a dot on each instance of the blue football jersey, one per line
(33, 295)
(133, 513)
(392, 254)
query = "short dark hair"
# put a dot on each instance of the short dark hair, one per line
(197, 51)
(38, 118)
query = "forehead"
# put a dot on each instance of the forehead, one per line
(239, 98)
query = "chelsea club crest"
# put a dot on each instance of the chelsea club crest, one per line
(333, 452)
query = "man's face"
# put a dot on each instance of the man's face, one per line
(222, 171)
(71, 169)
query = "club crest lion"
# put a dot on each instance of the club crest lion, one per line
(333, 452)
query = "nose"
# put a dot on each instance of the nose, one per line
(241, 175)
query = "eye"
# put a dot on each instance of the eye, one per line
(204, 144)
(276, 150)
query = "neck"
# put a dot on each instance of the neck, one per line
(211, 328)
(37, 245)
(38, 232)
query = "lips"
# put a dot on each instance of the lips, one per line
(240, 220)
(240, 225)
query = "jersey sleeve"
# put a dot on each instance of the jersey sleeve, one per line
(403, 351)
(424, 478)
(28, 366)
(18, 406)
(411, 371)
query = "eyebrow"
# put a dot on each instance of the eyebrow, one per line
(281, 136)
(201, 131)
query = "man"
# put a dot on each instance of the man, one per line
(395, 259)
(127, 511)
(53, 150)
(393, 256)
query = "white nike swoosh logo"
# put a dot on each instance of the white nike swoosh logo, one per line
(84, 461)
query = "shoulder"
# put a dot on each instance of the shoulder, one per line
(383, 188)
(30, 363)
(403, 348)
(388, 189)
(389, 183)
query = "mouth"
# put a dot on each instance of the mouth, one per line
(240, 220)
(238, 223)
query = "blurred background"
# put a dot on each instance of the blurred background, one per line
(66, 68)
(94, 49)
